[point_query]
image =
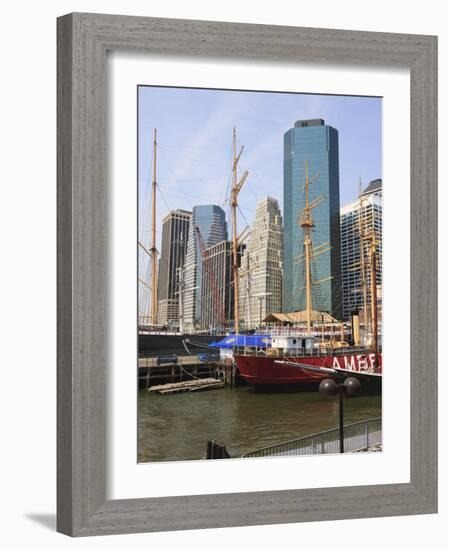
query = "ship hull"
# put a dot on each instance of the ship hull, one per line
(264, 371)
(152, 345)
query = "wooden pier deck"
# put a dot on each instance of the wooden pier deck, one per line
(188, 385)
(186, 368)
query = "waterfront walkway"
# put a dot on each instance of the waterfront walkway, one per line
(357, 436)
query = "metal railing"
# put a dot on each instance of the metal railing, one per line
(358, 436)
(326, 328)
(300, 352)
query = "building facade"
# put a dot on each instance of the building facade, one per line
(315, 144)
(211, 222)
(260, 274)
(175, 231)
(217, 287)
(361, 216)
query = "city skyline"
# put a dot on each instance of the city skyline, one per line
(265, 251)
(194, 156)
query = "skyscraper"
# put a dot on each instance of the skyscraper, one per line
(217, 286)
(210, 220)
(315, 144)
(261, 266)
(362, 215)
(175, 230)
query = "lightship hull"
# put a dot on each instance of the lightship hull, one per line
(266, 371)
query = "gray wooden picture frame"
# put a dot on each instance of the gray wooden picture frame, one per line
(83, 41)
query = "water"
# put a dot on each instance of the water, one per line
(177, 427)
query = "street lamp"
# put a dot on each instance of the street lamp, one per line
(349, 388)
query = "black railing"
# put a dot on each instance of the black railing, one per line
(358, 436)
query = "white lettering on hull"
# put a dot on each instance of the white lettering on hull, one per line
(356, 363)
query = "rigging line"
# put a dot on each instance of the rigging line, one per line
(227, 189)
(198, 147)
(227, 180)
(164, 260)
(191, 195)
(174, 176)
(147, 163)
(163, 198)
(254, 171)
(143, 214)
(190, 180)
(249, 184)
(188, 373)
(247, 208)
(243, 216)
(144, 268)
(250, 187)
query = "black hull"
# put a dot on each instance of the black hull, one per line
(152, 345)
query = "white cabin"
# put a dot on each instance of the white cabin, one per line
(294, 343)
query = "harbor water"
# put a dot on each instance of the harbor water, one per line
(177, 427)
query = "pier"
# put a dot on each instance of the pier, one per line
(152, 371)
(189, 386)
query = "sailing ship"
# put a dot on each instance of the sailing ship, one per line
(303, 357)
(156, 339)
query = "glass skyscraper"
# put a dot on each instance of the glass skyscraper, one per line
(211, 221)
(315, 143)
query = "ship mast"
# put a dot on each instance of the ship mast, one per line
(248, 293)
(236, 188)
(153, 249)
(307, 224)
(181, 284)
(362, 237)
(373, 277)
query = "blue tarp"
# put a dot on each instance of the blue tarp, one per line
(251, 340)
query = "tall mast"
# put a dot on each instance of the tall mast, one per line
(236, 187)
(248, 293)
(362, 237)
(234, 234)
(307, 225)
(153, 248)
(180, 273)
(373, 277)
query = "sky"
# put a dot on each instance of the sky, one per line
(194, 154)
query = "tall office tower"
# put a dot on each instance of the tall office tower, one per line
(314, 144)
(175, 231)
(363, 215)
(210, 220)
(217, 288)
(261, 266)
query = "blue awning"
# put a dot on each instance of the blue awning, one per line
(240, 340)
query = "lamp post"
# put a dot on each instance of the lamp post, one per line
(349, 388)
